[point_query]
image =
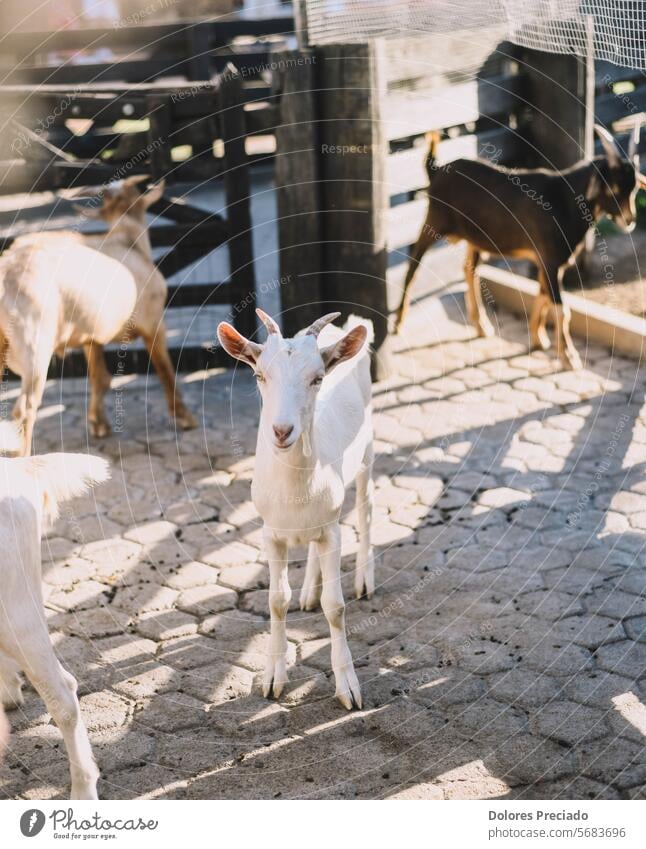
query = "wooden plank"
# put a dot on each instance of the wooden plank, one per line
(297, 188)
(198, 294)
(405, 171)
(554, 88)
(416, 58)
(415, 113)
(238, 191)
(404, 223)
(221, 32)
(353, 161)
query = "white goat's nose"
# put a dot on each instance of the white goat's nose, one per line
(283, 432)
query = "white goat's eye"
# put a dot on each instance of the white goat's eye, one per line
(318, 380)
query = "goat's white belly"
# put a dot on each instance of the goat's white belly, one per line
(98, 299)
(298, 515)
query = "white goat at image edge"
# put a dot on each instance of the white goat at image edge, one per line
(314, 440)
(31, 490)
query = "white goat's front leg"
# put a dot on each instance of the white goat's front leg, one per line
(57, 688)
(311, 589)
(347, 685)
(280, 594)
(10, 683)
(364, 576)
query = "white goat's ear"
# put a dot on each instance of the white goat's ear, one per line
(154, 194)
(345, 348)
(237, 345)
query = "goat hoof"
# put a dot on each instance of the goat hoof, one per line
(186, 420)
(99, 430)
(274, 679)
(348, 691)
(485, 330)
(571, 361)
(540, 343)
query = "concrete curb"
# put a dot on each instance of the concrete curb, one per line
(622, 333)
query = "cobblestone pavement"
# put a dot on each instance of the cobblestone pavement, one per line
(501, 656)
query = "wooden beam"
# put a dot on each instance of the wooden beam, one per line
(297, 188)
(353, 163)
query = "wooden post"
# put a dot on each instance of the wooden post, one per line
(558, 91)
(237, 190)
(353, 152)
(555, 90)
(297, 188)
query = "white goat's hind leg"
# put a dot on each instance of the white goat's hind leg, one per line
(347, 685)
(10, 682)
(275, 676)
(57, 688)
(311, 589)
(364, 576)
(31, 394)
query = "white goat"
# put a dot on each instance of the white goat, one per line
(98, 303)
(30, 491)
(51, 300)
(314, 439)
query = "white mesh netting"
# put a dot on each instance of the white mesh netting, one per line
(609, 29)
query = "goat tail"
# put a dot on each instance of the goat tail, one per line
(430, 163)
(64, 476)
(10, 442)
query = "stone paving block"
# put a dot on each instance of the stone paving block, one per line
(103, 711)
(229, 554)
(170, 712)
(154, 678)
(525, 689)
(205, 600)
(191, 574)
(568, 722)
(217, 683)
(80, 596)
(613, 760)
(567, 788)
(144, 598)
(148, 782)
(526, 759)
(624, 658)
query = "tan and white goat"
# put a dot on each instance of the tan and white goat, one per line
(56, 295)
(72, 299)
(314, 439)
(30, 491)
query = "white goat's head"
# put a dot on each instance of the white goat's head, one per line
(122, 201)
(290, 372)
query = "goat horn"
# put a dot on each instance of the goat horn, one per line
(633, 145)
(608, 143)
(269, 322)
(316, 326)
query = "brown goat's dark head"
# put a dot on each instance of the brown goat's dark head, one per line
(617, 181)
